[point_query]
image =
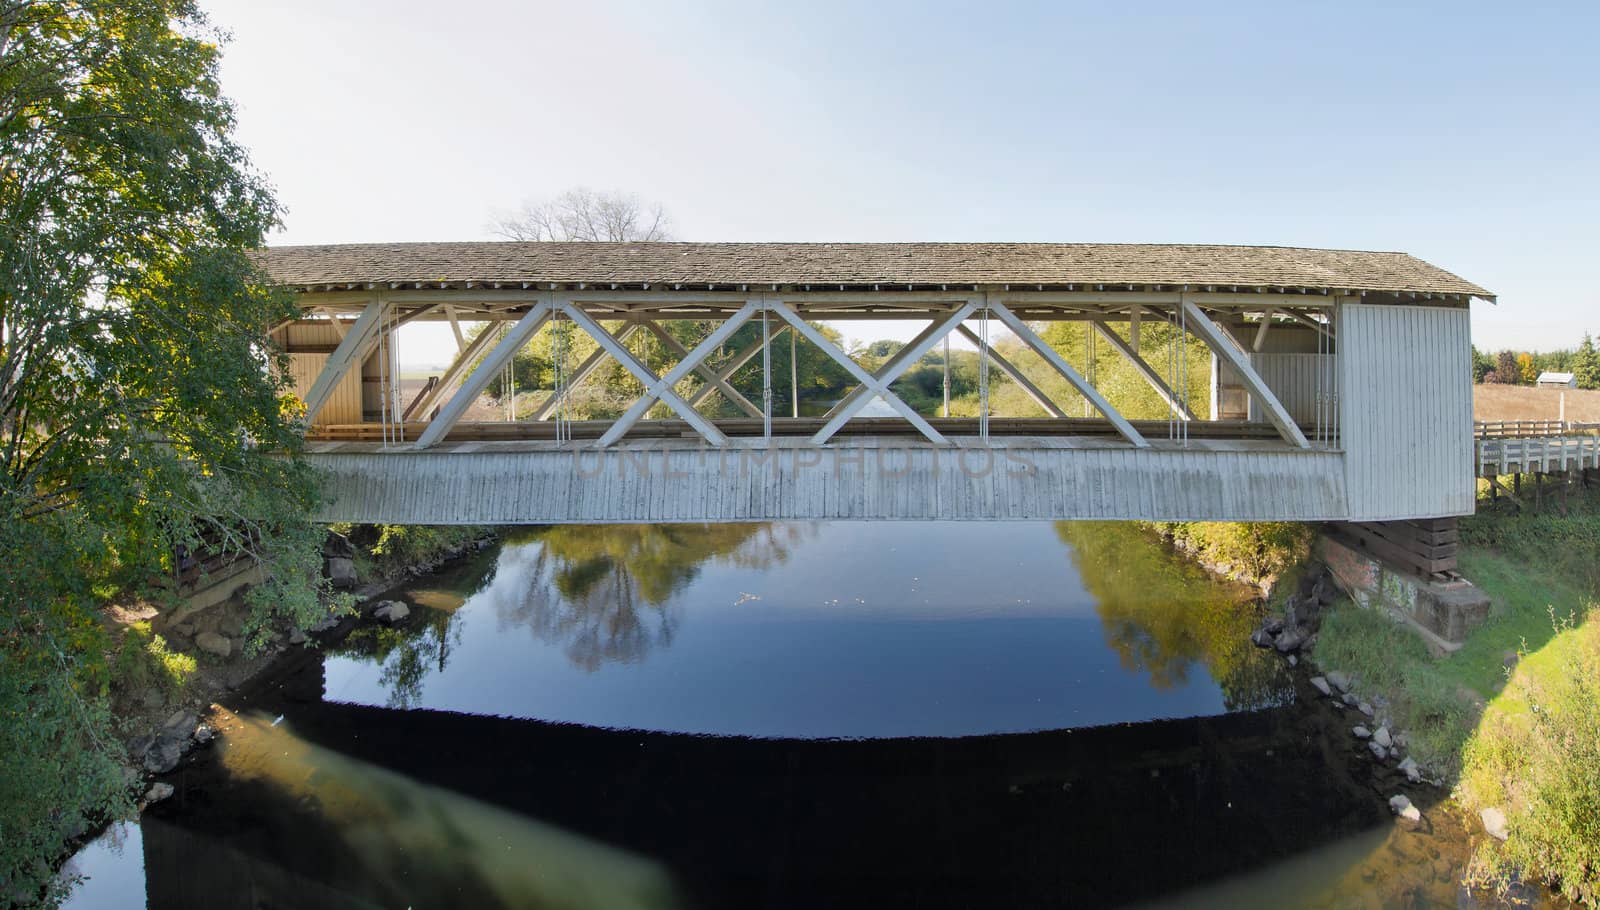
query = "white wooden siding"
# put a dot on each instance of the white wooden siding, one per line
(869, 479)
(1406, 404)
(1295, 379)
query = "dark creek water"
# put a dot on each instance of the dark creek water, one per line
(784, 715)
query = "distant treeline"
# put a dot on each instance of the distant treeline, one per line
(1524, 367)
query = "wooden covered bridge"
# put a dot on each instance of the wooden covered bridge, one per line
(1339, 383)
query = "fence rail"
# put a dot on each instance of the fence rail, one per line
(1523, 429)
(1538, 455)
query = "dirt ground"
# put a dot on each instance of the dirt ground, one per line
(1520, 402)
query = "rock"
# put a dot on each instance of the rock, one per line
(163, 755)
(1361, 732)
(1321, 685)
(213, 643)
(1326, 591)
(328, 622)
(1350, 699)
(391, 611)
(158, 791)
(1401, 806)
(340, 570)
(1378, 752)
(181, 629)
(1365, 708)
(297, 637)
(1273, 625)
(1381, 737)
(1290, 640)
(1340, 680)
(1494, 822)
(203, 734)
(1261, 639)
(338, 546)
(1401, 742)
(181, 723)
(1411, 770)
(1293, 661)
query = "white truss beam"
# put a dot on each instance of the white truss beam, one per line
(709, 375)
(660, 388)
(740, 359)
(474, 384)
(584, 371)
(352, 350)
(1017, 376)
(1145, 370)
(1219, 341)
(878, 383)
(1060, 365)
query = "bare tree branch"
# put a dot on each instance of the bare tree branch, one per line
(583, 214)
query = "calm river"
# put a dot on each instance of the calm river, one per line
(807, 715)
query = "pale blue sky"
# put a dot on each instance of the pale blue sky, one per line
(1464, 133)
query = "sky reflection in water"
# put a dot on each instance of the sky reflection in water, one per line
(825, 630)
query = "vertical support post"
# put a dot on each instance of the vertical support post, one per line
(1223, 346)
(794, 377)
(947, 375)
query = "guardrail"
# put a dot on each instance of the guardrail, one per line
(1538, 455)
(1525, 429)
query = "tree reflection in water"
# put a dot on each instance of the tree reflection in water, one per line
(406, 654)
(605, 592)
(1163, 614)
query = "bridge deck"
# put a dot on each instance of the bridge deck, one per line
(1537, 455)
(870, 478)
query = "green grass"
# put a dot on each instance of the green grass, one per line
(1535, 756)
(144, 661)
(1522, 595)
(1385, 658)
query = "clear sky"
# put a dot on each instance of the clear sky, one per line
(1465, 133)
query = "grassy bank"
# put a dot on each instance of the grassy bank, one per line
(1514, 716)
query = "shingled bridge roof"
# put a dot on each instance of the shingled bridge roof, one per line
(886, 266)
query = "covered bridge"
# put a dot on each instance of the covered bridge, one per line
(1339, 382)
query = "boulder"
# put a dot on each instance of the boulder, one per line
(1273, 625)
(203, 734)
(338, 546)
(391, 611)
(1494, 822)
(1340, 680)
(1325, 590)
(1350, 699)
(1321, 685)
(1378, 752)
(1261, 638)
(214, 643)
(1411, 770)
(340, 570)
(1365, 708)
(158, 791)
(1381, 737)
(1290, 640)
(1361, 732)
(1401, 806)
(1293, 661)
(163, 755)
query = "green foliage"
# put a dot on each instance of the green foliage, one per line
(1586, 364)
(1482, 364)
(1256, 550)
(140, 405)
(396, 547)
(1534, 756)
(144, 661)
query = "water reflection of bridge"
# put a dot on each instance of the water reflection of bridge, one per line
(1093, 816)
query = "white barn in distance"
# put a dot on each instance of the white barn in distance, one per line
(1340, 383)
(1553, 380)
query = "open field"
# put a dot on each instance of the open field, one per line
(1520, 402)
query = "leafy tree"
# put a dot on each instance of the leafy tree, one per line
(1586, 364)
(1482, 365)
(1526, 369)
(140, 406)
(1506, 368)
